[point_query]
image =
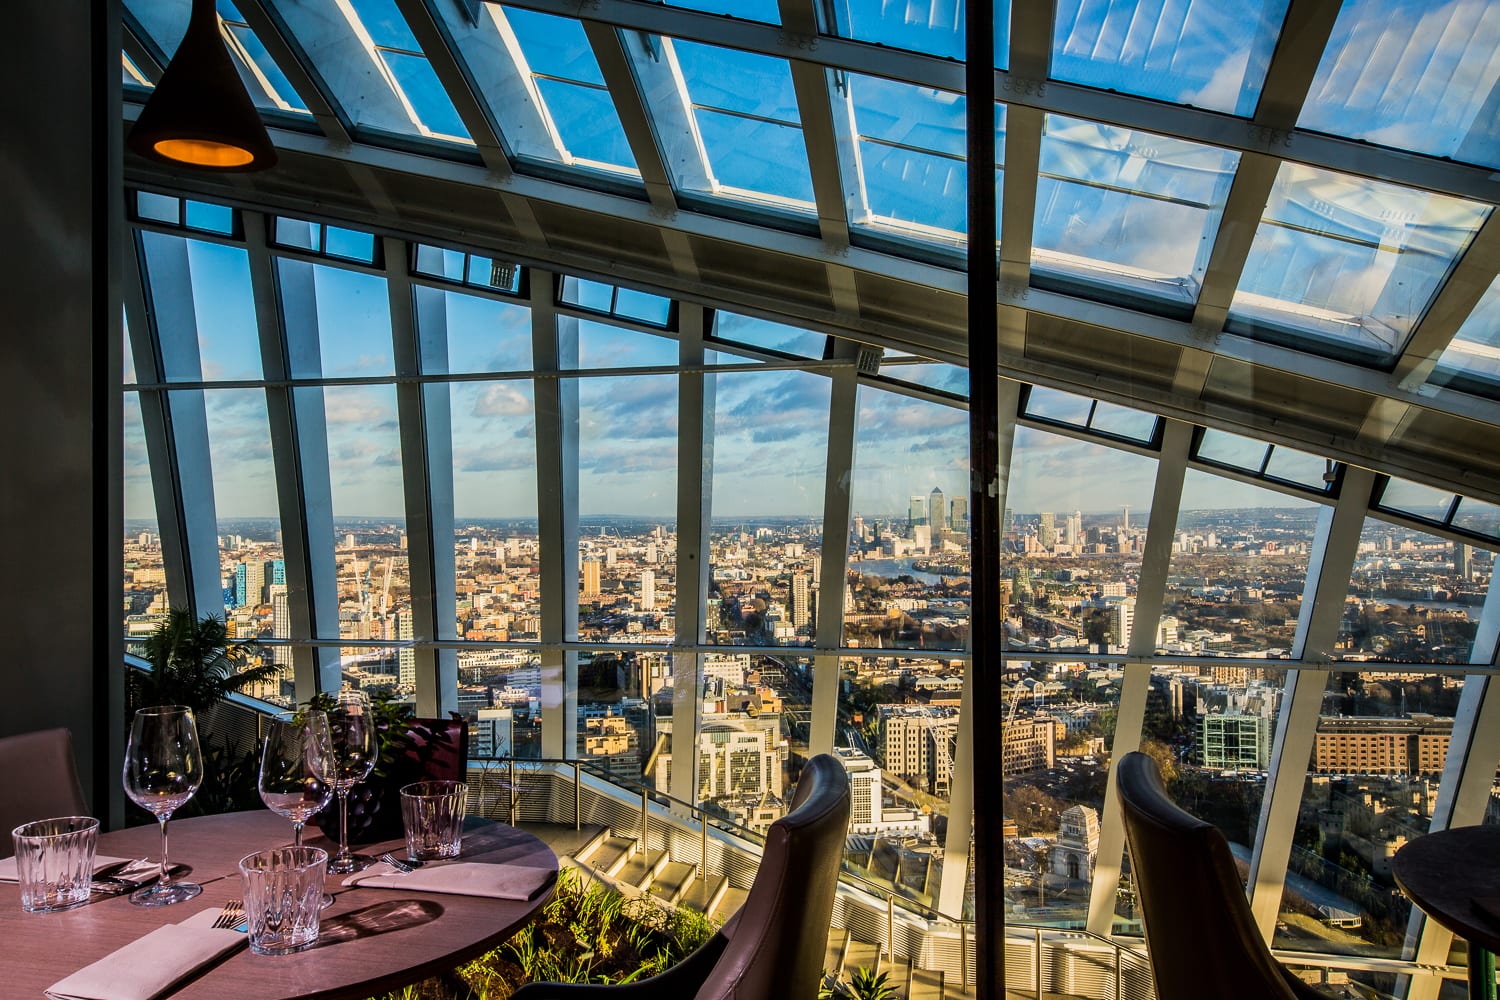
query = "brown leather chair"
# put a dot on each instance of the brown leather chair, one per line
(772, 949)
(41, 781)
(1201, 937)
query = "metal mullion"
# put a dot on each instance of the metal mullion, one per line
(1466, 284)
(1468, 777)
(962, 788)
(176, 427)
(635, 117)
(444, 60)
(309, 677)
(1030, 58)
(427, 486)
(838, 478)
(556, 402)
(297, 68)
(1328, 569)
(696, 397)
(1156, 561)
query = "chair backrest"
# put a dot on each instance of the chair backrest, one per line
(777, 939)
(1201, 936)
(41, 781)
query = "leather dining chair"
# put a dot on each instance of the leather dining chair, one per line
(1201, 937)
(41, 781)
(772, 949)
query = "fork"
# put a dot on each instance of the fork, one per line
(231, 915)
(403, 867)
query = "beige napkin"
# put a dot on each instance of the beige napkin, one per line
(461, 878)
(151, 966)
(8, 866)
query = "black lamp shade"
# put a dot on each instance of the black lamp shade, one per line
(199, 115)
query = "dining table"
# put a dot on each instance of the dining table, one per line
(371, 939)
(1452, 876)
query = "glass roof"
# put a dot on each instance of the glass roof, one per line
(1475, 350)
(1207, 53)
(1415, 76)
(931, 26)
(1347, 261)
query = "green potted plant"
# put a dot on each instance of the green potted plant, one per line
(194, 662)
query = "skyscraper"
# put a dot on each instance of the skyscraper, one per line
(1046, 532)
(801, 608)
(648, 589)
(917, 513)
(281, 624)
(937, 512)
(406, 660)
(590, 579)
(959, 521)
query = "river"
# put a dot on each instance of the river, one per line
(892, 568)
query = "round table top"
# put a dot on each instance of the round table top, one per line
(1453, 876)
(371, 940)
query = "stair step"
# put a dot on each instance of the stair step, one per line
(610, 854)
(729, 903)
(926, 984)
(642, 868)
(703, 895)
(672, 879)
(898, 974)
(861, 955)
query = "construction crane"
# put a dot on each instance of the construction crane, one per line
(385, 594)
(1015, 700)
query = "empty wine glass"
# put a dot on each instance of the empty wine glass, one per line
(351, 724)
(297, 746)
(163, 768)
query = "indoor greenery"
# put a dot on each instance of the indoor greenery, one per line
(586, 933)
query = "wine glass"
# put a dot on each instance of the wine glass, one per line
(351, 725)
(163, 768)
(295, 754)
(296, 748)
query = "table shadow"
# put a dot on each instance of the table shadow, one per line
(376, 919)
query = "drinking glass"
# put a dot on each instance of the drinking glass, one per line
(296, 751)
(432, 813)
(163, 768)
(351, 725)
(55, 861)
(282, 888)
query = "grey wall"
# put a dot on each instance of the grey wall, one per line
(60, 519)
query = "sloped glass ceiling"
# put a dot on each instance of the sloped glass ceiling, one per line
(935, 27)
(1474, 354)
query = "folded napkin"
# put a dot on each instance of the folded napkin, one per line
(8, 866)
(461, 878)
(151, 966)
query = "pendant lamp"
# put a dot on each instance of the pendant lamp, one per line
(199, 116)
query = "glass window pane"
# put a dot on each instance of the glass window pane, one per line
(745, 112)
(1210, 55)
(594, 295)
(1054, 404)
(910, 491)
(127, 353)
(211, 218)
(1474, 353)
(1298, 467)
(603, 346)
(1416, 498)
(1067, 581)
(1225, 448)
(588, 124)
(1415, 76)
(503, 688)
(473, 334)
(349, 244)
(419, 84)
(351, 318)
(495, 515)
(369, 523)
(145, 583)
(158, 207)
(1123, 422)
(627, 501)
(1239, 565)
(298, 234)
(772, 336)
(438, 262)
(204, 287)
(501, 275)
(934, 375)
(1404, 603)
(750, 10)
(1478, 516)
(272, 82)
(899, 750)
(770, 448)
(931, 26)
(912, 149)
(1348, 262)
(643, 307)
(1128, 209)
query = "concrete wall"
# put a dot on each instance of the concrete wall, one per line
(60, 517)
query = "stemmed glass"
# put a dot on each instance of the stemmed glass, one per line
(352, 726)
(163, 768)
(297, 747)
